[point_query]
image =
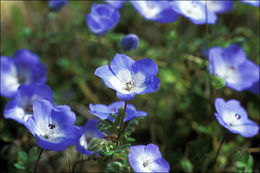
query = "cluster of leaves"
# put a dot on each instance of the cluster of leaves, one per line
(114, 147)
(26, 161)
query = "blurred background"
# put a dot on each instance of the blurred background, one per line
(180, 117)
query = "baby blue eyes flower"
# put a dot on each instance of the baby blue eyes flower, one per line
(20, 108)
(130, 41)
(88, 132)
(52, 126)
(147, 159)
(158, 11)
(102, 18)
(233, 116)
(103, 112)
(194, 11)
(116, 4)
(129, 77)
(56, 5)
(255, 3)
(232, 65)
(24, 68)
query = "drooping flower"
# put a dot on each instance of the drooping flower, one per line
(129, 77)
(102, 18)
(56, 5)
(233, 117)
(195, 11)
(20, 108)
(103, 112)
(255, 3)
(88, 132)
(158, 11)
(147, 159)
(53, 127)
(130, 41)
(24, 68)
(232, 65)
(116, 4)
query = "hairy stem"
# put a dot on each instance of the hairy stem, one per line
(36, 164)
(121, 123)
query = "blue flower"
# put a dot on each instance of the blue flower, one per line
(130, 41)
(88, 132)
(255, 88)
(24, 68)
(232, 65)
(103, 112)
(56, 5)
(255, 3)
(52, 126)
(129, 77)
(233, 117)
(219, 6)
(116, 4)
(194, 11)
(147, 159)
(158, 11)
(20, 108)
(102, 18)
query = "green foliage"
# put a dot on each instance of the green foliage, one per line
(218, 82)
(244, 162)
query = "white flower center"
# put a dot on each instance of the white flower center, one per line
(51, 132)
(149, 9)
(192, 9)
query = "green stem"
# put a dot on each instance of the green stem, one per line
(36, 164)
(219, 148)
(121, 123)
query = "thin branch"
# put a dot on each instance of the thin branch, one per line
(36, 164)
(121, 124)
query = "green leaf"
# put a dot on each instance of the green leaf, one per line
(22, 156)
(250, 161)
(33, 151)
(218, 82)
(19, 166)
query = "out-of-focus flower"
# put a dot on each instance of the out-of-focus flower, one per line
(56, 5)
(103, 112)
(255, 3)
(158, 11)
(232, 65)
(88, 132)
(20, 108)
(147, 159)
(52, 126)
(129, 77)
(130, 41)
(219, 6)
(195, 11)
(117, 4)
(102, 18)
(233, 116)
(24, 68)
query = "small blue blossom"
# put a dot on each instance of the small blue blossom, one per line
(130, 41)
(233, 117)
(219, 6)
(56, 5)
(52, 126)
(232, 65)
(103, 112)
(116, 4)
(24, 68)
(147, 159)
(195, 10)
(129, 77)
(255, 3)
(20, 108)
(102, 18)
(158, 11)
(88, 132)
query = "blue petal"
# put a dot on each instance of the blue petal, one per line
(161, 165)
(130, 41)
(9, 80)
(99, 110)
(116, 4)
(120, 62)
(153, 151)
(216, 59)
(255, 3)
(41, 111)
(152, 85)
(146, 66)
(234, 55)
(125, 96)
